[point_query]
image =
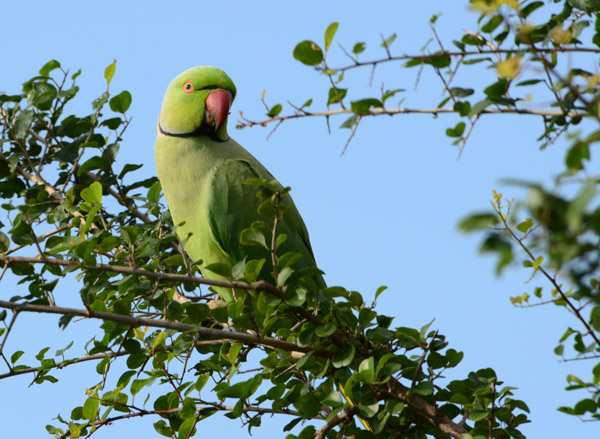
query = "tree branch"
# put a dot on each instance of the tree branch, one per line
(98, 356)
(464, 53)
(166, 324)
(200, 411)
(246, 123)
(254, 286)
(343, 417)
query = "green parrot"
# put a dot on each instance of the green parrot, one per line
(201, 170)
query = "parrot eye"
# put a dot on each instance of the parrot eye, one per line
(188, 87)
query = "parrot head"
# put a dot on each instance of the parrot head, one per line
(197, 103)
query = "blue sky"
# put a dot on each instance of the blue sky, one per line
(385, 213)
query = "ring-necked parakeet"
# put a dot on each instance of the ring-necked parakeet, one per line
(201, 170)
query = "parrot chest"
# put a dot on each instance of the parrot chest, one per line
(185, 172)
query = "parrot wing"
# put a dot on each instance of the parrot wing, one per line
(233, 207)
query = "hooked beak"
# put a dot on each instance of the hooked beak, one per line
(217, 109)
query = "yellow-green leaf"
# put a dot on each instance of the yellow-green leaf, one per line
(109, 72)
(92, 193)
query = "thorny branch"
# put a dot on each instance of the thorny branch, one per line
(246, 123)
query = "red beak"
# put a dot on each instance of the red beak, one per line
(217, 108)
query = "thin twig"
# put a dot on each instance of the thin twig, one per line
(354, 128)
(246, 123)
(465, 53)
(10, 326)
(466, 137)
(552, 280)
(274, 237)
(342, 418)
(166, 324)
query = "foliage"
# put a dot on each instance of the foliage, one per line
(519, 50)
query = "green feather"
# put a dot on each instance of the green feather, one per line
(202, 181)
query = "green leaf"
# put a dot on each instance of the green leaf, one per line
(99, 102)
(275, 110)
(15, 357)
(343, 356)
(330, 33)
(308, 405)
(479, 107)
(326, 330)
(135, 360)
(174, 313)
(439, 61)
(390, 93)
(219, 268)
(459, 92)
(586, 5)
(121, 102)
(423, 388)
(529, 8)
(576, 209)
(297, 298)
(49, 66)
(479, 221)
(91, 164)
(253, 268)
(528, 82)
(358, 48)
(252, 237)
(92, 193)
(185, 429)
(60, 352)
(492, 24)
(112, 124)
(197, 312)
(90, 408)
(576, 154)
(366, 369)
(497, 89)
(22, 124)
(386, 43)
(308, 52)
(336, 95)
(380, 290)
(280, 240)
(457, 131)
(368, 410)
(525, 225)
(234, 351)
(4, 245)
(333, 399)
(220, 314)
(173, 260)
(128, 168)
(350, 122)
(364, 106)
(284, 275)
(478, 415)
(109, 72)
